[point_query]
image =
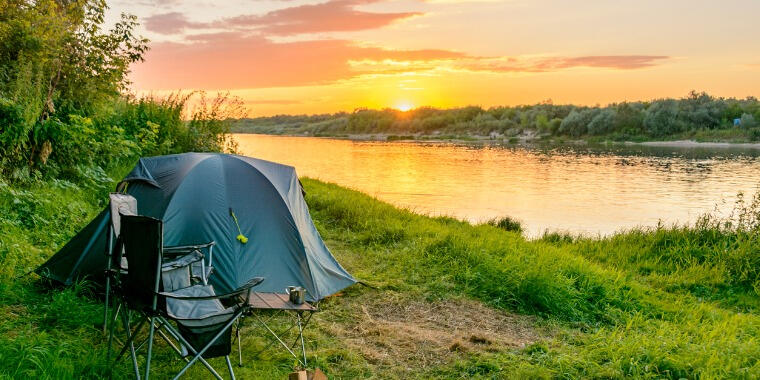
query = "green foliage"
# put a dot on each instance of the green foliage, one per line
(56, 61)
(210, 123)
(62, 111)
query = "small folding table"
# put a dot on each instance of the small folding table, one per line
(281, 302)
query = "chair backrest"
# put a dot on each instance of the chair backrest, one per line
(143, 242)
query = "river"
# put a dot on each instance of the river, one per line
(582, 190)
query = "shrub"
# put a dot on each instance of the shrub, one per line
(747, 121)
(507, 224)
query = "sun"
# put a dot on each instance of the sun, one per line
(404, 106)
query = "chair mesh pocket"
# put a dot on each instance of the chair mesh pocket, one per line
(199, 337)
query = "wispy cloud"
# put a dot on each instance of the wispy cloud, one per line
(391, 66)
(544, 64)
(331, 16)
(273, 101)
(170, 23)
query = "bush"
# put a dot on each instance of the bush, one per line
(747, 121)
(507, 224)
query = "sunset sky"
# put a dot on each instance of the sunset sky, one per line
(296, 56)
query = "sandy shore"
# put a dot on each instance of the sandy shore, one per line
(529, 139)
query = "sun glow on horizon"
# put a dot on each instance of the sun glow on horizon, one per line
(404, 106)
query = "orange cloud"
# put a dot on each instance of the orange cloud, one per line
(233, 60)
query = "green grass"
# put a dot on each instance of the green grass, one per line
(665, 303)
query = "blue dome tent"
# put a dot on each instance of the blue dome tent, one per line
(204, 197)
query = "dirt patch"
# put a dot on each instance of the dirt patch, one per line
(419, 333)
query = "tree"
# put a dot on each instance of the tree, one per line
(700, 110)
(575, 124)
(629, 118)
(661, 118)
(603, 122)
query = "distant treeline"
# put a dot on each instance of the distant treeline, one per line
(64, 112)
(697, 115)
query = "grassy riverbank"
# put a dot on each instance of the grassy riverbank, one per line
(452, 300)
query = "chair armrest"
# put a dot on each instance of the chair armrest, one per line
(183, 260)
(246, 288)
(176, 249)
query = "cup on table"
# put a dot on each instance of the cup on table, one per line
(296, 294)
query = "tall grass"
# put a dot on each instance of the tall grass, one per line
(617, 324)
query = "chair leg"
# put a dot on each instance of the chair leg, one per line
(169, 341)
(130, 336)
(109, 250)
(190, 348)
(130, 343)
(240, 349)
(150, 349)
(107, 303)
(229, 367)
(110, 332)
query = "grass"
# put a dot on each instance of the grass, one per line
(671, 302)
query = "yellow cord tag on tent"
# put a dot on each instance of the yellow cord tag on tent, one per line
(241, 238)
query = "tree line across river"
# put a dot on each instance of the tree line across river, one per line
(698, 115)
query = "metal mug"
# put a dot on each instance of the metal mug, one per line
(296, 294)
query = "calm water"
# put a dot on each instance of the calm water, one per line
(581, 190)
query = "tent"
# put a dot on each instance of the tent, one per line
(197, 194)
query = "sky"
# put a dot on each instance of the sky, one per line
(320, 56)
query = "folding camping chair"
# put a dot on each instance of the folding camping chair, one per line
(204, 324)
(125, 204)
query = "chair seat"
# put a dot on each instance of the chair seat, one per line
(199, 320)
(192, 313)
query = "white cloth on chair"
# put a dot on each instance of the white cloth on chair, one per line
(121, 204)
